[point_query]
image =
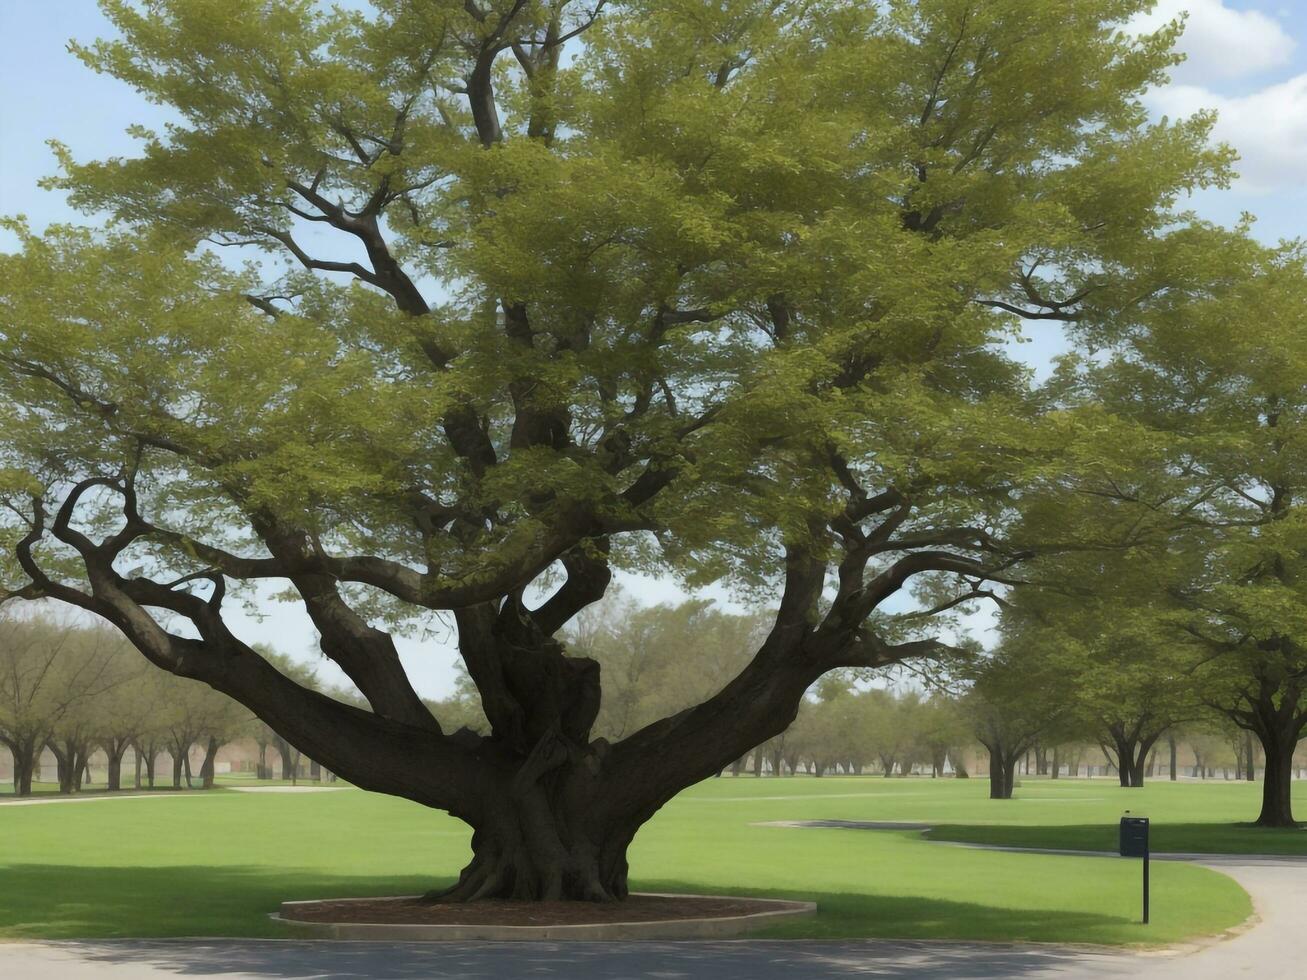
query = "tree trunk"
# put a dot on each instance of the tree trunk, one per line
(1277, 780)
(114, 779)
(536, 850)
(24, 751)
(206, 768)
(1132, 748)
(65, 767)
(757, 763)
(176, 769)
(1250, 770)
(996, 779)
(23, 778)
(287, 758)
(1002, 772)
(1170, 741)
(60, 769)
(778, 760)
(1055, 766)
(263, 772)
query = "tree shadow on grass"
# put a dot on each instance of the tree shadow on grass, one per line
(1165, 837)
(43, 901)
(851, 915)
(40, 901)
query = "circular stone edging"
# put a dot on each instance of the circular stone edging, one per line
(718, 927)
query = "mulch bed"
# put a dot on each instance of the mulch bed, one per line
(636, 908)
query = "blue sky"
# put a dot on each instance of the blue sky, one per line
(1247, 59)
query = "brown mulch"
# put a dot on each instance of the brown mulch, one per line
(636, 908)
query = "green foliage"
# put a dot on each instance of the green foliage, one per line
(55, 674)
(707, 157)
(1206, 497)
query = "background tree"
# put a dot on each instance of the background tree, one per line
(224, 721)
(1126, 683)
(306, 676)
(721, 294)
(153, 736)
(943, 733)
(1210, 377)
(50, 670)
(887, 730)
(660, 660)
(1014, 700)
(120, 716)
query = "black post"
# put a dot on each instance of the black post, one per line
(1145, 886)
(1134, 843)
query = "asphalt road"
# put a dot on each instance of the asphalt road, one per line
(1270, 950)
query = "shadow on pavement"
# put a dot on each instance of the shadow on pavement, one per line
(736, 960)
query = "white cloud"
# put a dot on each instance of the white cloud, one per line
(1221, 43)
(1268, 128)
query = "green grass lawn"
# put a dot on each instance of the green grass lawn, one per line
(217, 863)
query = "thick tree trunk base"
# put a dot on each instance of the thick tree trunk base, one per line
(1002, 781)
(532, 864)
(1277, 786)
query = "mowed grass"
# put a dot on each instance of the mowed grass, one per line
(207, 864)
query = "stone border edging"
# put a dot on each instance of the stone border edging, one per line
(705, 928)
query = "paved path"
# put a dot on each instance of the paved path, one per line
(1270, 950)
(737, 960)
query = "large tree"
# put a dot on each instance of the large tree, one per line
(716, 289)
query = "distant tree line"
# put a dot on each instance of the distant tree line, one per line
(1044, 699)
(76, 690)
